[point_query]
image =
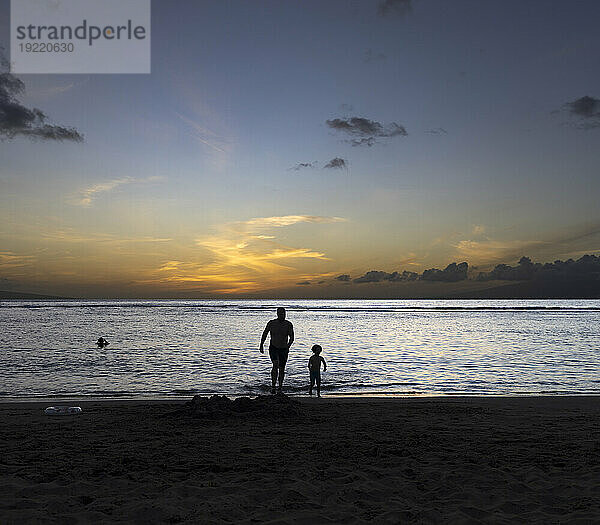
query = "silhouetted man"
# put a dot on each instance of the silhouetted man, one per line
(282, 337)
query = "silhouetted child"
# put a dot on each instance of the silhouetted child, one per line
(314, 365)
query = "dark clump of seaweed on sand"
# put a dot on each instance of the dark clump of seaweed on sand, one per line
(274, 407)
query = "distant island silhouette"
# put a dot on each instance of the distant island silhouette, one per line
(4, 294)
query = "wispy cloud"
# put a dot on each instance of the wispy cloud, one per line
(336, 163)
(9, 260)
(489, 251)
(369, 141)
(482, 249)
(204, 135)
(87, 196)
(50, 89)
(244, 256)
(303, 165)
(287, 220)
(71, 235)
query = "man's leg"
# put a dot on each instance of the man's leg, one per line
(275, 360)
(312, 383)
(283, 356)
(274, 375)
(318, 385)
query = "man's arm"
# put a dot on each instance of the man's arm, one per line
(324, 364)
(291, 335)
(264, 337)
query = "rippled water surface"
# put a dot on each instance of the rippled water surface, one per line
(398, 346)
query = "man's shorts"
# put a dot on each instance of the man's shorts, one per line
(279, 355)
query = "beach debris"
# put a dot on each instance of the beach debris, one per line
(216, 407)
(62, 411)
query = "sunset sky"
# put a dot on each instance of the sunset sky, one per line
(277, 145)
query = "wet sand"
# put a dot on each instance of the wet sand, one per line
(329, 460)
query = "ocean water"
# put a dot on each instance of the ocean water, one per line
(403, 347)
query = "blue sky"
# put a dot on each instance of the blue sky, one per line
(493, 166)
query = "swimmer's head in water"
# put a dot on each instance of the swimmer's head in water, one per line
(317, 349)
(281, 313)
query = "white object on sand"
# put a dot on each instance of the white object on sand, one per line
(62, 411)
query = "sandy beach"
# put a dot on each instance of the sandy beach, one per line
(329, 460)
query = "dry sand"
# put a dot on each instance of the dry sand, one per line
(428, 460)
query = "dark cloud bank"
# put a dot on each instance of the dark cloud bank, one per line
(16, 119)
(587, 110)
(570, 278)
(587, 267)
(452, 273)
(585, 107)
(375, 276)
(304, 165)
(336, 163)
(365, 130)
